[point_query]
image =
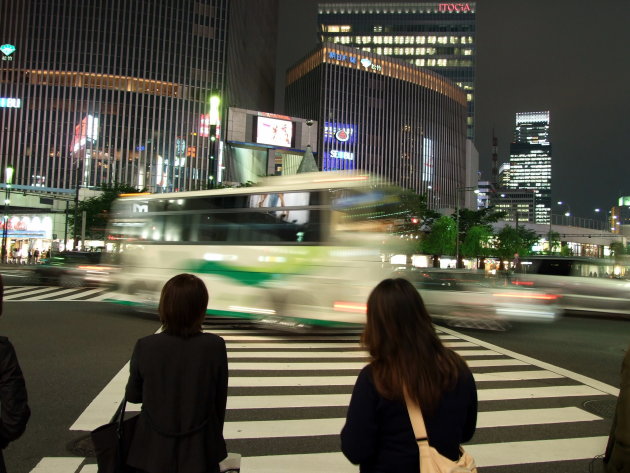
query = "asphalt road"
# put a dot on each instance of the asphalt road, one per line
(70, 350)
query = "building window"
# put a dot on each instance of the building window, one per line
(467, 52)
(378, 39)
(420, 62)
(421, 39)
(454, 39)
(388, 40)
(431, 40)
(441, 62)
(378, 29)
(442, 40)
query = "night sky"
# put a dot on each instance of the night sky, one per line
(569, 57)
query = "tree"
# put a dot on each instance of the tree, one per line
(477, 242)
(97, 211)
(512, 240)
(441, 239)
(554, 242)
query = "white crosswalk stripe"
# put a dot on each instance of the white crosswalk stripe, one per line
(276, 382)
(54, 293)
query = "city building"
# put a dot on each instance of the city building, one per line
(530, 160)
(129, 92)
(434, 35)
(385, 116)
(519, 205)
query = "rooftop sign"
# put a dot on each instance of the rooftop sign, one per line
(454, 7)
(7, 50)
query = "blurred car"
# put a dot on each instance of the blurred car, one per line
(466, 298)
(587, 285)
(74, 269)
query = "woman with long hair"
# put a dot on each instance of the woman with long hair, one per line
(406, 353)
(180, 375)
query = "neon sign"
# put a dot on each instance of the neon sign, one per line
(454, 7)
(8, 102)
(342, 57)
(340, 132)
(7, 50)
(369, 65)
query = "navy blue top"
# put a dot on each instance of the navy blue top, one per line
(378, 434)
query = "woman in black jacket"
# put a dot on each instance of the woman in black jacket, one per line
(180, 376)
(406, 352)
(14, 411)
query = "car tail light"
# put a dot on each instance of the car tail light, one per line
(356, 307)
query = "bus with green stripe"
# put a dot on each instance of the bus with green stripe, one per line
(295, 251)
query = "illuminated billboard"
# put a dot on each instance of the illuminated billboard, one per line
(274, 132)
(85, 131)
(339, 132)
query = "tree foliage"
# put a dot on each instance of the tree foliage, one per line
(477, 242)
(97, 211)
(512, 240)
(441, 239)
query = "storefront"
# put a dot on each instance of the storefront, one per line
(26, 238)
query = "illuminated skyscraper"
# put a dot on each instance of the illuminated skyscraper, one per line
(434, 35)
(530, 160)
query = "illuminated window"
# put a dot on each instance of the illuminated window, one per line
(421, 39)
(336, 39)
(421, 51)
(409, 51)
(463, 40)
(409, 39)
(420, 62)
(378, 29)
(431, 40)
(366, 39)
(441, 62)
(333, 28)
(388, 40)
(378, 39)
(469, 97)
(346, 29)
(399, 40)
(431, 51)
(453, 40)
(345, 39)
(442, 40)
(398, 51)
(467, 52)
(470, 40)
(431, 62)
(379, 50)
(387, 51)
(367, 50)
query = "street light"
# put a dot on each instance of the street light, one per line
(8, 179)
(458, 190)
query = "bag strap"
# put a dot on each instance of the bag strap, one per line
(417, 421)
(119, 417)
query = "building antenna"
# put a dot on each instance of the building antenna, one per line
(494, 159)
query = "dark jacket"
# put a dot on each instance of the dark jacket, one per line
(14, 411)
(182, 384)
(378, 434)
(617, 457)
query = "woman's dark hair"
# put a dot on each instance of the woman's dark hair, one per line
(405, 350)
(183, 305)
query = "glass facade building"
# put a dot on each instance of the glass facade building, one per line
(114, 91)
(530, 160)
(385, 116)
(437, 36)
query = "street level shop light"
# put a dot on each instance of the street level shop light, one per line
(8, 180)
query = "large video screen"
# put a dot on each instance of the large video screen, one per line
(271, 131)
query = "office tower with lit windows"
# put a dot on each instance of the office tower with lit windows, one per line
(120, 91)
(386, 116)
(434, 35)
(530, 160)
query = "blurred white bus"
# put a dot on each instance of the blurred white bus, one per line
(297, 251)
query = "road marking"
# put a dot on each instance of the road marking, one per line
(537, 393)
(608, 389)
(333, 426)
(29, 293)
(331, 366)
(535, 451)
(486, 455)
(82, 294)
(58, 465)
(56, 293)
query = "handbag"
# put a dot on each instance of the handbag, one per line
(112, 441)
(432, 461)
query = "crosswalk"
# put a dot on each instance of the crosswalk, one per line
(55, 293)
(288, 396)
